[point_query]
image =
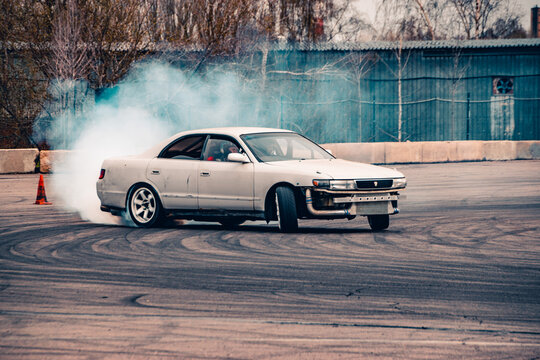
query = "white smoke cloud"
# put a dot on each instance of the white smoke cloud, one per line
(153, 102)
(111, 132)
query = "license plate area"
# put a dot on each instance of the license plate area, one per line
(365, 198)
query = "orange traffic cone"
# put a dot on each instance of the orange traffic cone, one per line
(41, 198)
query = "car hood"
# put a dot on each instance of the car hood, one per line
(339, 169)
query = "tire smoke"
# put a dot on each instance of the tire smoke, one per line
(154, 101)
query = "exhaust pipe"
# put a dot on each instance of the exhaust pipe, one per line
(315, 212)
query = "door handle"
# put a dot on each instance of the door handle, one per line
(155, 172)
(205, 173)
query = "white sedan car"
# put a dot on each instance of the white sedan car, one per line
(231, 175)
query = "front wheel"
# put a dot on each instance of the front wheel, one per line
(144, 206)
(286, 209)
(378, 222)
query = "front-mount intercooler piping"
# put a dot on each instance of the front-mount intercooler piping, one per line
(315, 212)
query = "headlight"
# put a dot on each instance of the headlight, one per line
(400, 183)
(335, 184)
(342, 185)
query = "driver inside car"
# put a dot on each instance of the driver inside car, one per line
(218, 150)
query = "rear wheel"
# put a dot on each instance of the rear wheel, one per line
(286, 209)
(144, 206)
(379, 222)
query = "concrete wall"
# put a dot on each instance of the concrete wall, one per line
(18, 160)
(22, 160)
(436, 151)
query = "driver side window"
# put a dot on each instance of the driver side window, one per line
(218, 149)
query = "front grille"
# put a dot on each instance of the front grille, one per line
(374, 184)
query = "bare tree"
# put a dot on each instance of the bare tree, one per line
(446, 19)
(460, 67)
(415, 20)
(33, 26)
(220, 23)
(401, 58)
(215, 24)
(302, 20)
(23, 89)
(62, 40)
(401, 65)
(506, 28)
(118, 34)
(69, 62)
(70, 34)
(474, 15)
(310, 20)
(173, 21)
(22, 93)
(400, 19)
(200, 30)
(359, 64)
(426, 17)
(343, 22)
(69, 47)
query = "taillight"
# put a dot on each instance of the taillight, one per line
(102, 174)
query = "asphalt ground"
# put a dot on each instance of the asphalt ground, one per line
(457, 275)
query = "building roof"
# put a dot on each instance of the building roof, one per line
(325, 46)
(409, 45)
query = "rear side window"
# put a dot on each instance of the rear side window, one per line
(188, 148)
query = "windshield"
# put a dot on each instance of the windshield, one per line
(284, 146)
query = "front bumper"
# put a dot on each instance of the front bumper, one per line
(328, 203)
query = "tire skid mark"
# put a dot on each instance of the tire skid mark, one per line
(443, 264)
(426, 328)
(47, 352)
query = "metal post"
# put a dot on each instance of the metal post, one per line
(280, 120)
(72, 114)
(468, 115)
(65, 104)
(373, 133)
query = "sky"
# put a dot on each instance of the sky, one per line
(527, 5)
(369, 8)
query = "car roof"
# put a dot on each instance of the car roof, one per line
(232, 131)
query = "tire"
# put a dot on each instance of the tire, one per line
(231, 223)
(379, 222)
(286, 209)
(144, 206)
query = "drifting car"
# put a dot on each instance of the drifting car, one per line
(230, 175)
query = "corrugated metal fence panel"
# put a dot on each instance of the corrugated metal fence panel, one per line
(434, 100)
(335, 106)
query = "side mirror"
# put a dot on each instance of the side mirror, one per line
(238, 157)
(329, 151)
